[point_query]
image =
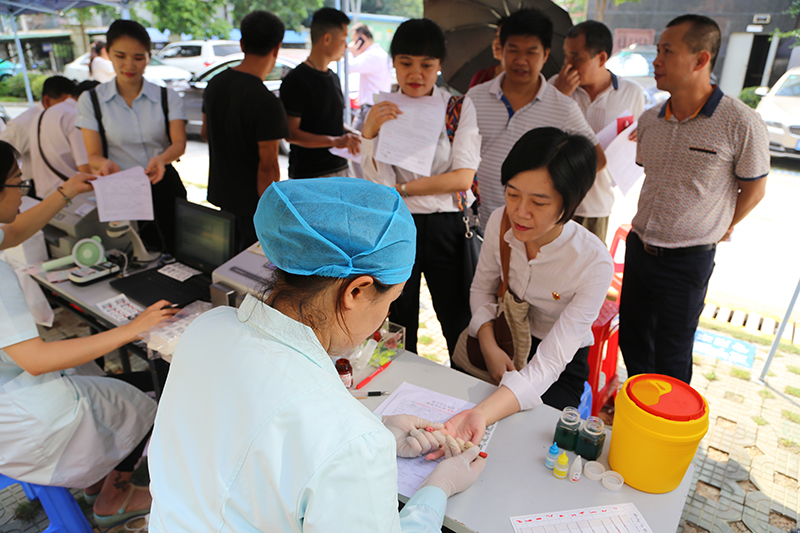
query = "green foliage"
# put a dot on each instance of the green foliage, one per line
(789, 415)
(292, 12)
(27, 511)
(740, 373)
(199, 18)
(793, 369)
(424, 339)
(792, 391)
(749, 96)
(760, 420)
(400, 8)
(15, 86)
(766, 394)
(711, 376)
(793, 10)
(790, 445)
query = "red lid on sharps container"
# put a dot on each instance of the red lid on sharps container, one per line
(666, 397)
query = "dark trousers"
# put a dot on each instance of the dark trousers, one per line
(660, 306)
(160, 233)
(440, 256)
(245, 232)
(568, 388)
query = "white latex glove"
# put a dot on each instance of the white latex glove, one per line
(457, 473)
(411, 436)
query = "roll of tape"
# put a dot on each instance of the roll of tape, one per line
(612, 480)
(593, 470)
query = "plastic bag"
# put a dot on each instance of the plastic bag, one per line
(163, 339)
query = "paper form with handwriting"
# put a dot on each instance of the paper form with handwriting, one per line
(410, 399)
(410, 140)
(617, 518)
(124, 196)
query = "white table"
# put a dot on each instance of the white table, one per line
(515, 481)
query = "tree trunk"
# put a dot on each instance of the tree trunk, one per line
(599, 9)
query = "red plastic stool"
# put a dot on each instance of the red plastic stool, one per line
(619, 262)
(603, 356)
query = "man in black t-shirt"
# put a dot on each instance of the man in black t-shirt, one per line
(314, 103)
(243, 123)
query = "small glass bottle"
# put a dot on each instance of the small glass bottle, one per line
(552, 456)
(561, 466)
(591, 439)
(345, 371)
(567, 429)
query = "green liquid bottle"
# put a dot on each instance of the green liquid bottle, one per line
(591, 439)
(569, 424)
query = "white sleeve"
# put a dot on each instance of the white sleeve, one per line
(466, 152)
(176, 109)
(75, 139)
(559, 346)
(355, 490)
(488, 275)
(374, 170)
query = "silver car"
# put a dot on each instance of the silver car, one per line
(636, 63)
(780, 109)
(192, 90)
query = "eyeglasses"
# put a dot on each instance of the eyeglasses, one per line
(24, 186)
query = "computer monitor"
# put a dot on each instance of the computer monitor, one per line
(204, 237)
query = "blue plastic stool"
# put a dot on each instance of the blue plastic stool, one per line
(585, 407)
(59, 504)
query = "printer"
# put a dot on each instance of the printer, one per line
(244, 273)
(77, 221)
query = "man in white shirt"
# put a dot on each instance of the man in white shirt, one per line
(368, 59)
(519, 100)
(603, 97)
(55, 89)
(56, 145)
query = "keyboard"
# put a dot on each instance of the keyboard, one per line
(150, 286)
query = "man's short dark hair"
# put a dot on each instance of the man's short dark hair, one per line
(57, 86)
(261, 32)
(528, 23)
(327, 20)
(598, 37)
(418, 37)
(571, 161)
(703, 34)
(362, 29)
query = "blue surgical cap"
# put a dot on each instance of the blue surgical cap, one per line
(337, 227)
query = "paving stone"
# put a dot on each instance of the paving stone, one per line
(709, 310)
(724, 314)
(753, 322)
(737, 318)
(768, 326)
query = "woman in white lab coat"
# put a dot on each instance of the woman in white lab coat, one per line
(255, 430)
(57, 429)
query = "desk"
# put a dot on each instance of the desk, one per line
(515, 481)
(82, 301)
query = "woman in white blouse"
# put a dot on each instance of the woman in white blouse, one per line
(561, 269)
(417, 51)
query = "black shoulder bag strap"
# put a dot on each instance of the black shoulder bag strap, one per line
(99, 116)
(41, 152)
(165, 107)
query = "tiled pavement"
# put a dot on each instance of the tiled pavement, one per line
(746, 469)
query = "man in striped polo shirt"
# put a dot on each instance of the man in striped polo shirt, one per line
(706, 158)
(602, 97)
(519, 100)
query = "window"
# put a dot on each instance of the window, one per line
(190, 51)
(216, 70)
(170, 52)
(630, 63)
(226, 49)
(790, 87)
(279, 72)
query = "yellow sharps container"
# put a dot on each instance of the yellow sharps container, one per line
(658, 424)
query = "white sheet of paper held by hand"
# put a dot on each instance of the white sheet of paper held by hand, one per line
(610, 132)
(410, 141)
(621, 161)
(410, 399)
(345, 153)
(124, 196)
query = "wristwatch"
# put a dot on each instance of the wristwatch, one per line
(403, 191)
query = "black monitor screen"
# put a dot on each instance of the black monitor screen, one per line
(203, 236)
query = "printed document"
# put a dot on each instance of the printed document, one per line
(620, 518)
(124, 196)
(614, 128)
(409, 399)
(621, 161)
(410, 141)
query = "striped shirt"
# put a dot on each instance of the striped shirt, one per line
(690, 190)
(500, 128)
(621, 96)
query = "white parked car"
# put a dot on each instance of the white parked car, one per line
(780, 109)
(156, 72)
(195, 56)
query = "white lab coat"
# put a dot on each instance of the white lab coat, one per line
(58, 429)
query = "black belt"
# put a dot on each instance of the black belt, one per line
(676, 252)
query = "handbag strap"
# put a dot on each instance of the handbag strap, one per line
(98, 114)
(451, 120)
(505, 255)
(165, 108)
(41, 152)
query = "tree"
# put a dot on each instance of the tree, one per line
(292, 12)
(400, 8)
(794, 10)
(199, 18)
(600, 8)
(575, 8)
(86, 15)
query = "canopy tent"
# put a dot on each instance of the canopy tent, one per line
(15, 8)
